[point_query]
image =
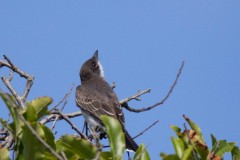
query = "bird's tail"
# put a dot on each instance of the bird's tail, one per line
(130, 143)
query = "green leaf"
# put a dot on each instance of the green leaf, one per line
(10, 102)
(32, 147)
(106, 156)
(178, 146)
(236, 157)
(48, 136)
(30, 113)
(4, 154)
(176, 129)
(74, 147)
(40, 104)
(222, 147)
(169, 156)
(214, 140)
(5, 124)
(195, 127)
(141, 153)
(115, 136)
(187, 153)
(48, 156)
(235, 153)
(202, 150)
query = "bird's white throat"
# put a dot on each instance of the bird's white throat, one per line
(101, 69)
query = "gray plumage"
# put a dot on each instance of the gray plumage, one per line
(95, 97)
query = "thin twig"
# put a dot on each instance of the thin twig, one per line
(141, 133)
(67, 96)
(54, 122)
(22, 74)
(37, 136)
(6, 137)
(10, 65)
(64, 99)
(72, 125)
(6, 81)
(20, 99)
(33, 131)
(136, 96)
(53, 115)
(125, 105)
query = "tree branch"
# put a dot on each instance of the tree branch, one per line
(71, 124)
(64, 99)
(53, 115)
(141, 133)
(125, 104)
(136, 96)
(20, 99)
(16, 109)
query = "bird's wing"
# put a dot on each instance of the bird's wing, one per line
(96, 105)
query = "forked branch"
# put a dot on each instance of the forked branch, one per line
(7, 81)
(125, 104)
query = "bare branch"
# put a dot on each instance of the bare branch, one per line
(6, 81)
(72, 125)
(37, 136)
(53, 115)
(64, 99)
(20, 99)
(54, 122)
(33, 131)
(6, 137)
(125, 105)
(10, 65)
(136, 96)
(141, 133)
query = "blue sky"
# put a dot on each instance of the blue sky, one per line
(141, 45)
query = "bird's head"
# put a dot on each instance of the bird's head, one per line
(92, 68)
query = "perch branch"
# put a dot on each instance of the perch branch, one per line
(125, 104)
(136, 96)
(65, 100)
(53, 115)
(71, 124)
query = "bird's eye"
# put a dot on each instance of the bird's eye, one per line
(94, 64)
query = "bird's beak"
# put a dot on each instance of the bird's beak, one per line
(95, 56)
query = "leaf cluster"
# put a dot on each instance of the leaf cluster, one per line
(27, 147)
(190, 144)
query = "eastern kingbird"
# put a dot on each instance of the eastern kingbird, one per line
(95, 97)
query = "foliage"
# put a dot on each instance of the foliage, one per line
(190, 144)
(27, 146)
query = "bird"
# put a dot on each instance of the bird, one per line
(95, 97)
